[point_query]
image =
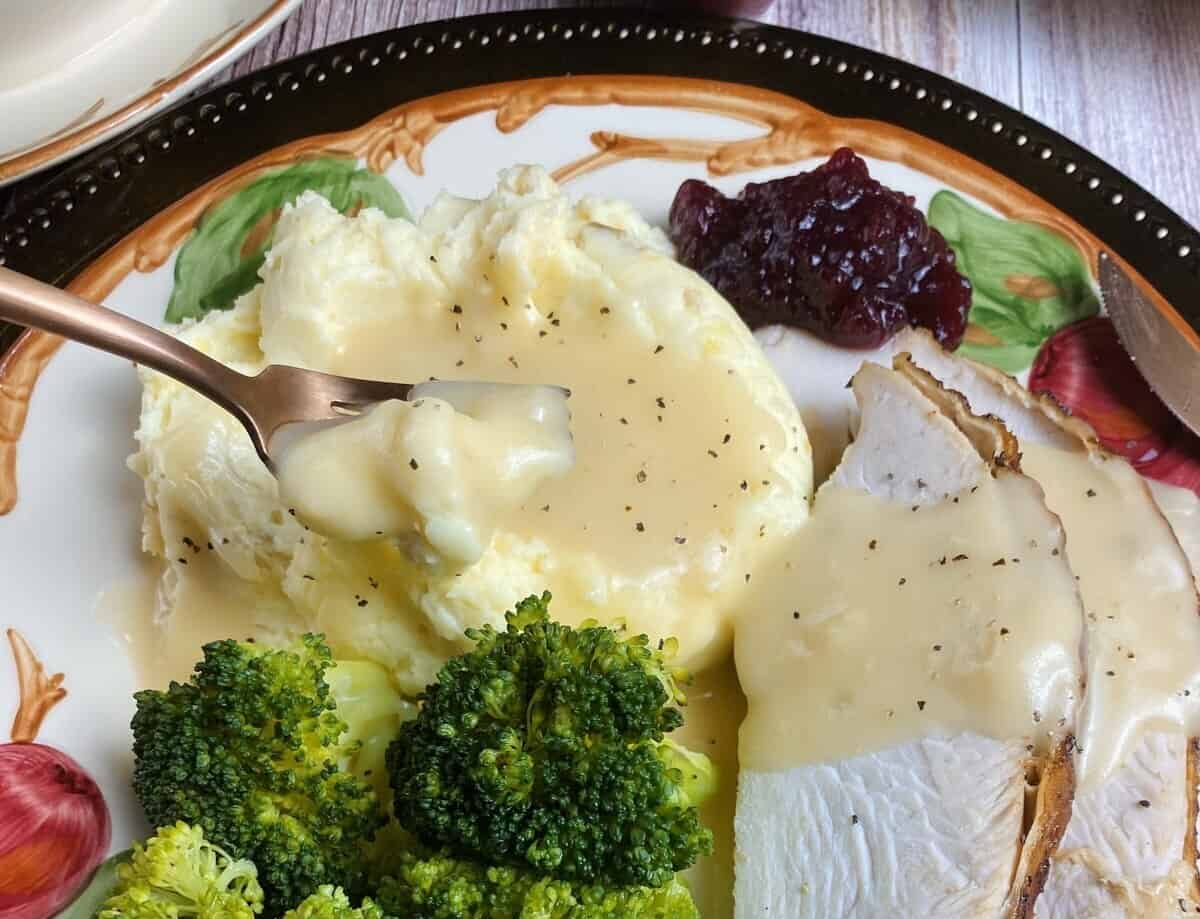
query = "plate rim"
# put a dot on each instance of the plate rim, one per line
(60, 146)
(34, 238)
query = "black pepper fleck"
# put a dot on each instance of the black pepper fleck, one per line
(1091, 492)
(413, 464)
(920, 705)
(640, 527)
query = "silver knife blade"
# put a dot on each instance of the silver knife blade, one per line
(1164, 355)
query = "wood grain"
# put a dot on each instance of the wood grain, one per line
(1121, 79)
(972, 41)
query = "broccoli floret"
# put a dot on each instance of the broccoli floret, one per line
(693, 775)
(443, 887)
(332, 903)
(177, 872)
(544, 748)
(255, 749)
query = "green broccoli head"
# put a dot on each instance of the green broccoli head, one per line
(177, 872)
(443, 887)
(254, 749)
(332, 903)
(544, 747)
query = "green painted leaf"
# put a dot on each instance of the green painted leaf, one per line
(92, 897)
(1028, 281)
(220, 260)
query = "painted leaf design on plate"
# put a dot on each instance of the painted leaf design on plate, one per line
(1028, 282)
(92, 897)
(221, 258)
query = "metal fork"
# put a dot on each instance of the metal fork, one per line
(276, 397)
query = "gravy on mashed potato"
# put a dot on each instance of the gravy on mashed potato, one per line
(437, 472)
(690, 459)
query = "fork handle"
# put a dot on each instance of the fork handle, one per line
(29, 302)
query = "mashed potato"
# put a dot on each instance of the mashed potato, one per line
(691, 460)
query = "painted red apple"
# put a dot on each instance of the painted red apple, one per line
(1086, 369)
(54, 825)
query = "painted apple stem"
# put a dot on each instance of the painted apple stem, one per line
(38, 692)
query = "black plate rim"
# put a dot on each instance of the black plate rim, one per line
(51, 229)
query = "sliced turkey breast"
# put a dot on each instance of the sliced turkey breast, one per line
(1130, 847)
(912, 662)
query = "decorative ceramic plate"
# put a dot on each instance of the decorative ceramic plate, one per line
(72, 77)
(624, 104)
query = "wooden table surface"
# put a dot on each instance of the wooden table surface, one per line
(1121, 77)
